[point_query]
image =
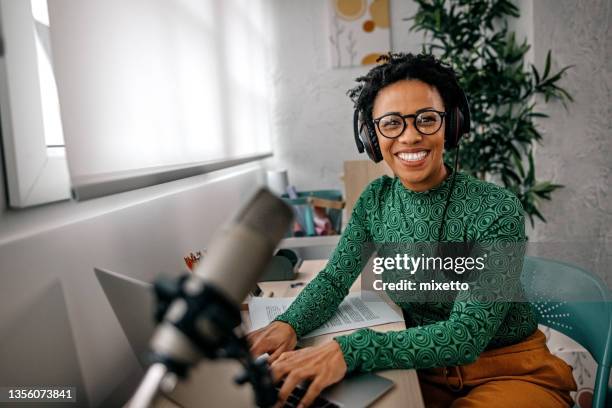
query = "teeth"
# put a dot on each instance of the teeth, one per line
(412, 156)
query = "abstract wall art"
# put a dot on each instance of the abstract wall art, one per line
(359, 31)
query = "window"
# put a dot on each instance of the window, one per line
(33, 146)
(148, 91)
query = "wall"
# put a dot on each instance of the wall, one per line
(56, 326)
(577, 148)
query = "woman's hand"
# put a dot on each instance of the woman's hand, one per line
(274, 339)
(323, 365)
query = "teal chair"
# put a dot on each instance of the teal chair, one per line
(579, 305)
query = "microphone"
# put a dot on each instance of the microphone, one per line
(201, 312)
(236, 259)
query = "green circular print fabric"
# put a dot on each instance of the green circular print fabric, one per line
(438, 333)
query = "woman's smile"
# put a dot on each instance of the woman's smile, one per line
(413, 158)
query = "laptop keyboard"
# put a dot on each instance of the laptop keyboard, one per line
(298, 392)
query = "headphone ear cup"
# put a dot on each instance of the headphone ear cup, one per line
(466, 120)
(454, 128)
(450, 129)
(367, 138)
(458, 122)
(357, 125)
(374, 148)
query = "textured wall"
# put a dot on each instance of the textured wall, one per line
(577, 145)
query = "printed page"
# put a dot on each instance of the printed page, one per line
(354, 312)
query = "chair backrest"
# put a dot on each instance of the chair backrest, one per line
(572, 301)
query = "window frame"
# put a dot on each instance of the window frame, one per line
(35, 173)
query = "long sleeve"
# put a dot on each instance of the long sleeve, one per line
(318, 301)
(472, 322)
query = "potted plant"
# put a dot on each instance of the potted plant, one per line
(504, 91)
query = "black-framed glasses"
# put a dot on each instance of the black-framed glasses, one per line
(426, 122)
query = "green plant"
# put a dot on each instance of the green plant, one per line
(473, 37)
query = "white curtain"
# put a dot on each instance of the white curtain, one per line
(149, 83)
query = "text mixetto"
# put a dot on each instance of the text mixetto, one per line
(406, 285)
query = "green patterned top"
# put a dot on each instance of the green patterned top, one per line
(438, 334)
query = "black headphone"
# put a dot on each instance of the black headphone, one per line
(457, 123)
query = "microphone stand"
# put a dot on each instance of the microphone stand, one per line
(147, 390)
(198, 321)
(198, 315)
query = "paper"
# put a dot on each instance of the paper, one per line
(353, 313)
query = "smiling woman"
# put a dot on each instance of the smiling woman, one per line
(472, 352)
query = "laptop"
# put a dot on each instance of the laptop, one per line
(211, 382)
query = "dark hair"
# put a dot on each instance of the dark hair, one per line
(399, 66)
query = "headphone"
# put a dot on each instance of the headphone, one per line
(456, 124)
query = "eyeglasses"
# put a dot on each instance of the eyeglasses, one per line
(426, 122)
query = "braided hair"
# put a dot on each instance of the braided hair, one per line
(395, 67)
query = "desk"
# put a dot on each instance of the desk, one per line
(406, 393)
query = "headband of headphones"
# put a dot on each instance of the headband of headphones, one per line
(456, 124)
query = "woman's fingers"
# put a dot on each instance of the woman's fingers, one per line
(273, 339)
(259, 347)
(314, 389)
(284, 364)
(323, 364)
(279, 370)
(262, 343)
(295, 378)
(276, 354)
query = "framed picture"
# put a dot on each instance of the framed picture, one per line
(359, 31)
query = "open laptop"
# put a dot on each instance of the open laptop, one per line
(211, 382)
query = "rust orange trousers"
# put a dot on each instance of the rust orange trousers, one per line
(522, 375)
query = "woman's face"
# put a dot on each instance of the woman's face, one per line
(415, 158)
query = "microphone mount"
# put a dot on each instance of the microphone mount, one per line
(186, 307)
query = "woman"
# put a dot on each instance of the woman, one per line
(469, 353)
